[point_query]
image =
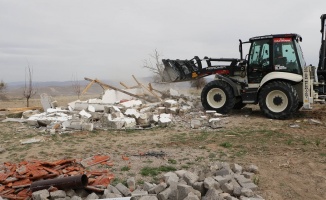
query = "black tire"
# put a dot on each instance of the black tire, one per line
(300, 104)
(278, 100)
(238, 104)
(218, 95)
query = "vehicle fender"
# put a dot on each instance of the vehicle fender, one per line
(236, 92)
(281, 75)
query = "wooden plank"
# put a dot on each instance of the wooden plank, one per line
(117, 89)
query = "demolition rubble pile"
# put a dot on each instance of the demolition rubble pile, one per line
(219, 181)
(122, 112)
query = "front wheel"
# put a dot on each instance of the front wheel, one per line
(218, 95)
(278, 100)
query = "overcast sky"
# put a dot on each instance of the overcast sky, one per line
(110, 39)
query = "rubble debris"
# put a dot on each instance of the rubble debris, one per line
(31, 140)
(47, 101)
(152, 153)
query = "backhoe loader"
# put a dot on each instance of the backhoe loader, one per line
(273, 74)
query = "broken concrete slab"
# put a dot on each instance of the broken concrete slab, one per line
(31, 140)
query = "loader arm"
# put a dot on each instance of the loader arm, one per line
(321, 71)
(187, 70)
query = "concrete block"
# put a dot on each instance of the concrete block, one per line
(190, 178)
(131, 183)
(170, 176)
(147, 186)
(192, 196)
(131, 112)
(117, 123)
(58, 194)
(70, 193)
(129, 122)
(132, 103)
(113, 189)
(210, 182)
(80, 105)
(199, 186)
(165, 194)
(227, 188)
(170, 103)
(28, 113)
(108, 194)
(183, 190)
(253, 169)
(123, 189)
(236, 168)
(212, 194)
(144, 119)
(41, 194)
(76, 198)
(148, 198)
(161, 110)
(251, 186)
(248, 175)
(87, 126)
(173, 110)
(222, 172)
(92, 196)
(215, 123)
(195, 123)
(241, 179)
(85, 114)
(138, 193)
(160, 187)
(247, 192)
(180, 173)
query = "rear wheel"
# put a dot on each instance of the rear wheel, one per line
(278, 100)
(218, 95)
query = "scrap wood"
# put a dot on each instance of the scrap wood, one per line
(141, 85)
(24, 109)
(117, 89)
(94, 160)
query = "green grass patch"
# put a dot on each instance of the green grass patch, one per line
(125, 168)
(226, 145)
(154, 171)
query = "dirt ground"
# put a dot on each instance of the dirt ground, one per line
(290, 154)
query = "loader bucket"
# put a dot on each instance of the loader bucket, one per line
(180, 70)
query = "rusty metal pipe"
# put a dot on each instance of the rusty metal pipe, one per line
(71, 182)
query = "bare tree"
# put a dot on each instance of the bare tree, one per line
(3, 87)
(198, 83)
(76, 86)
(29, 90)
(155, 65)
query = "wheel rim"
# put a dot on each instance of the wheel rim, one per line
(277, 101)
(216, 98)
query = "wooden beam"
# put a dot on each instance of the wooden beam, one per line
(117, 89)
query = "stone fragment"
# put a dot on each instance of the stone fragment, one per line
(147, 186)
(113, 189)
(212, 194)
(210, 182)
(247, 192)
(227, 188)
(251, 186)
(131, 183)
(215, 123)
(138, 193)
(108, 194)
(81, 193)
(170, 103)
(160, 187)
(92, 196)
(253, 169)
(236, 168)
(222, 172)
(70, 193)
(183, 190)
(199, 186)
(191, 196)
(180, 173)
(170, 176)
(195, 123)
(58, 194)
(76, 198)
(248, 175)
(41, 194)
(123, 189)
(164, 195)
(190, 178)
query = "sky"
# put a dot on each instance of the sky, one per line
(63, 40)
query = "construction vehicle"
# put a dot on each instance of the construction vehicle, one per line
(274, 75)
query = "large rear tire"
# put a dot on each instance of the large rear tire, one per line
(218, 95)
(278, 100)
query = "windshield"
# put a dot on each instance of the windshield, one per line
(287, 55)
